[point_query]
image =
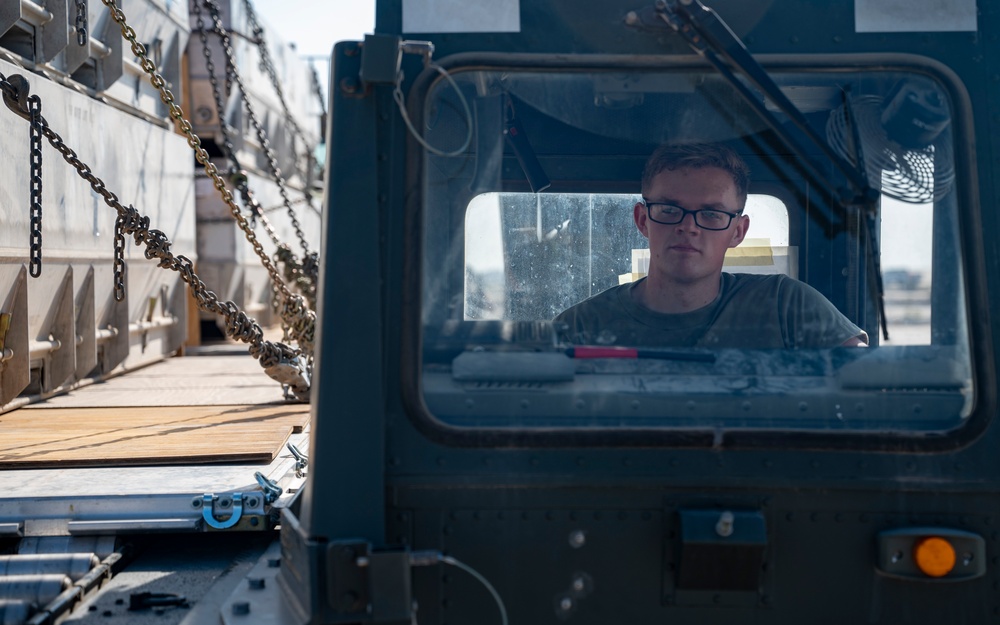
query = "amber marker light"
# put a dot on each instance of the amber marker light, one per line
(934, 556)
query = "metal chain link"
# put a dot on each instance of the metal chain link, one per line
(265, 145)
(301, 274)
(119, 259)
(278, 360)
(294, 311)
(292, 269)
(268, 66)
(35, 124)
(82, 34)
(237, 175)
(318, 90)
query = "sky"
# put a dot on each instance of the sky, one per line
(315, 25)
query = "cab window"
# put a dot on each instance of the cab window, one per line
(528, 204)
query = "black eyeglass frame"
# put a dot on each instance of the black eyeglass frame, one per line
(685, 212)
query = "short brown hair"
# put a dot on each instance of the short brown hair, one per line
(696, 156)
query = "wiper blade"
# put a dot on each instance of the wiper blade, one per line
(711, 38)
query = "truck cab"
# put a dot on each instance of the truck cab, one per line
(484, 165)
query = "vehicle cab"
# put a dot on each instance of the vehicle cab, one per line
(484, 167)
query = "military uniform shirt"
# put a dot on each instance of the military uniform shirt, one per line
(751, 312)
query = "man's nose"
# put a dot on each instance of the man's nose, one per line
(687, 222)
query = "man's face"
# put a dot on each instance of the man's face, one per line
(683, 253)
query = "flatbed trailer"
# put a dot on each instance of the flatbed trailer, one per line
(183, 465)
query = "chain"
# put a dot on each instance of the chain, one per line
(237, 175)
(294, 311)
(268, 66)
(81, 22)
(292, 268)
(272, 162)
(119, 259)
(35, 123)
(279, 361)
(318, 90)
(300, 274)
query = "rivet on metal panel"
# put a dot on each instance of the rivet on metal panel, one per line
(577, 539)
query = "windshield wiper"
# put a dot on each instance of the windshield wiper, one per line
(712, 39)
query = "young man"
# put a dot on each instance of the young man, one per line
(692, 212)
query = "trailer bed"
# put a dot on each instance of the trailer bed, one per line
(148, 443)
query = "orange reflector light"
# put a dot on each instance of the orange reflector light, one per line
(934, 556)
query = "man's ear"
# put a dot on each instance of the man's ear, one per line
(740, 230)
(640, 216)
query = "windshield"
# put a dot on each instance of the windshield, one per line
(576, 273)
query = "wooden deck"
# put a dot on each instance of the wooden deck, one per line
(212, 408)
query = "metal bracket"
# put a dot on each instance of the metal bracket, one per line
(370, 586)
(208, 511)
(380, 59)
(301, 460)
(271, 489)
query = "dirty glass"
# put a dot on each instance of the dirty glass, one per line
(529, 186)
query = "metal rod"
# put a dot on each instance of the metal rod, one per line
(40, 349)
(35, 14)
(138, 327)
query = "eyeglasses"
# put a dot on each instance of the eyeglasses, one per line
(707, 219)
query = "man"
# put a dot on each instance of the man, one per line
(692, 212)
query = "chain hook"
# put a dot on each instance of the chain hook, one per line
(15, 95)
